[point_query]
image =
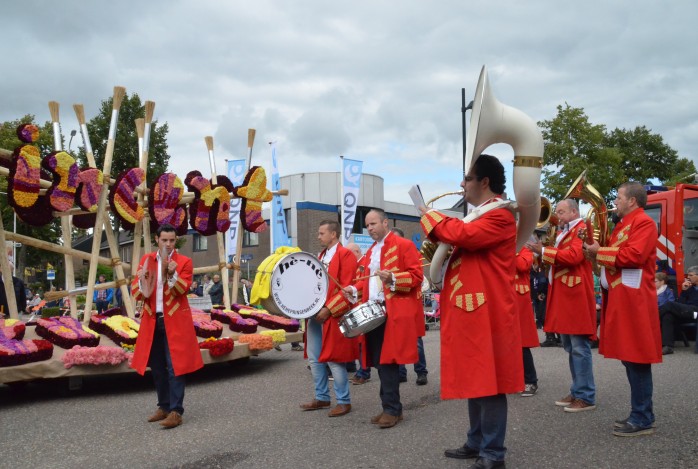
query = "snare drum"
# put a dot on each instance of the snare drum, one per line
(299, 286)
(363, 318)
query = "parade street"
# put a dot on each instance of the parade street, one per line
(246, 415)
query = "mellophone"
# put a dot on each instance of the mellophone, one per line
(298, 288)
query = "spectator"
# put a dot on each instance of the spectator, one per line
(20, 295)
(216, 291)
(193, 288)
(207, 284)
(102, 298)
(664, 293)
(683, 310)
(34, 302)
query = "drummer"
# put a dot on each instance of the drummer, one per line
(325, 344)
(395, 280)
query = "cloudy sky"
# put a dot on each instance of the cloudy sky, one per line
(378, 81)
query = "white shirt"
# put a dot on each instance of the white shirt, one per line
(328, 255)
(375, 286)
(170, 282)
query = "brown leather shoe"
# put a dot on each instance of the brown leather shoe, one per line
(359, 381)
(315, 405)
(339, 410)
(174, 419)
(565, 401)
(579, 405)
(159, 414)
(375, 419)
(389, 421)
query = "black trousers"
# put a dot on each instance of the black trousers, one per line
(530, 375)
(672, 313)
(389, 374)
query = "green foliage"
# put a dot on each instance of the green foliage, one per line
(573, 144)
(50, 312)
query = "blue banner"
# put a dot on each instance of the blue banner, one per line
(236, 174)
(278, 219)
(351, 183)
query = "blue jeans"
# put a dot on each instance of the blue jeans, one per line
(579, 349)
(488, 426)
(170, 388)
(640, 379)
(421, 366)
(319, 370)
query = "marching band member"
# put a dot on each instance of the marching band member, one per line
(630, 321)
(571, 308)
(527, 321)
(480, 333)
(393, 276)
(325, 343)
(166, 341)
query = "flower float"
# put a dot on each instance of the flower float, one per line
(257, 342)
(278, 336)
(236, 322)
(270, 321)
(12, 328)
(217, 347)
(66, 332)
(205, 326)
(100, 355)
(18, 352)
(121, 330)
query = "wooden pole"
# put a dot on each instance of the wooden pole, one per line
(238, 249)
(220, 241)
(7, 277)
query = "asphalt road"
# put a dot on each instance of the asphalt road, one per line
(246, 415)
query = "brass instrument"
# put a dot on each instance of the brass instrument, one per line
(493, 122)
(547, 216)
(597, 216)
(428, 247)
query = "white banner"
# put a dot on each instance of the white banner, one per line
(278, 218)
(351, 183)
(236, 174)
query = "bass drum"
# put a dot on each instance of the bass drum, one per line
(298, 286)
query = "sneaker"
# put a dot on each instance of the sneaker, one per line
(529, 390)
(297, 348)
(666, 350)
(422, 380)
(628, 429)
(277, 348)
(565, 401)
(622, 423)
(579, 406)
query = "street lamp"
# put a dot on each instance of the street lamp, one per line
(72, 134)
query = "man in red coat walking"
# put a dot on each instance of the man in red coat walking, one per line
(481, 357)
(166, 340)
(326, 345)
(393, 276)
(571, 308)
(527, 321)
(630, 329)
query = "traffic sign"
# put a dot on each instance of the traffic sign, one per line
(246, 257)
(50, 275)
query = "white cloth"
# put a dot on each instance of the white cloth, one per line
(328, 254)
(170, 282)
(558, 239)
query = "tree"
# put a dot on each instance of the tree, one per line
(573, 144)
(126, 145)
(26, 255)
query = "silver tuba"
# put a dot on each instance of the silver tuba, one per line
(493, 122)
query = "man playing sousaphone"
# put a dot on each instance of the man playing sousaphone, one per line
(394, 277)
(325, 344)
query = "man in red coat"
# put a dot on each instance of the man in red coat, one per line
(393, 276)
(325, 343)
(166, 340)
(630, 329)
(527, 321)
(480, 334)
(571, 308)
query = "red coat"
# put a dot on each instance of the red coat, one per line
(481, 351)
(630, 319)
(571, 307)
(522, 295)
(336, 347)
(181, 337)
(404, 312)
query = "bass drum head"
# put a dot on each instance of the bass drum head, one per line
(299, 285)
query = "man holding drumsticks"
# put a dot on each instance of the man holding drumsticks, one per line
(394, 278)
(325, 344)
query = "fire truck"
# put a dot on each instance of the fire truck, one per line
(676, 213)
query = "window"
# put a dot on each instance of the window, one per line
(690, 214)
(655, 213)
(250, 239)
(200, 243)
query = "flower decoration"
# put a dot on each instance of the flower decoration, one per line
(66, 332)
(217, 347)
(236, 322)
(270, 321)
(90, 185)
(278, 336)
(163, 203)
(12, 329)
(257, 342)
(100, 355)
(23, 187)
(123, 204)
(64, 171)
(205, 326)
(209, 213)
(28, 133)
(18, 352)
(122, 330)
(254, 190)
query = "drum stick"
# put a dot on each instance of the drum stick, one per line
(373, 275)
(335, 281)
